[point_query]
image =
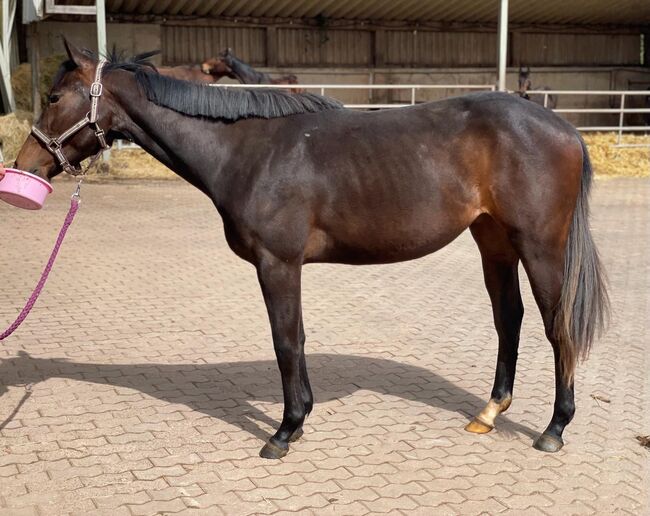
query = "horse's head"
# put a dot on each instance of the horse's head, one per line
(227, 56)
(524, 79)
(69, 103)
(217, 66)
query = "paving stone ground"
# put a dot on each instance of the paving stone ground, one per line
(153, 381)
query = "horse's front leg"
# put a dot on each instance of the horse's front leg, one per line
(280, 282)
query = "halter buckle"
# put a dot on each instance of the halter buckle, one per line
(96, 89)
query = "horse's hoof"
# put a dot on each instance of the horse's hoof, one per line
(548, 443)
(271, 450)
(296, 435)
(476, 426)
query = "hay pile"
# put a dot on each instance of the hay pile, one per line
(137, 164)
(21, 80)
(610, 161)
(14, 128)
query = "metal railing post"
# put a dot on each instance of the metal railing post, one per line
(620, 120)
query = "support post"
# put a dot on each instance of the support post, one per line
(101, 27)
(101, 47)
(8, 14)
(34, 60)
(502, 50)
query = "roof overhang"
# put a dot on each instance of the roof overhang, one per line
(572, 12)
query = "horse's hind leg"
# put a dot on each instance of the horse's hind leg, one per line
(500, 262)
(544, 265)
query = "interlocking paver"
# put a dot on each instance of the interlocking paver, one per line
(154, 382)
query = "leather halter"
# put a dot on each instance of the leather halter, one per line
(55, 145)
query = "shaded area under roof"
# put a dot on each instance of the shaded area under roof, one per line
(619, 12)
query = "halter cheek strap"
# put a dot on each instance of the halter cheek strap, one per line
(55, 145)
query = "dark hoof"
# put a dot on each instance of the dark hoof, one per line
(271, 450)
(548, 443)
(296, 435)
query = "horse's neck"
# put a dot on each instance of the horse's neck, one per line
(247, 74)
(174, 139)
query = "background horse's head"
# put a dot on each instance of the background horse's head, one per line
(69, 102)
(217, 66)
(227, 56)
(524, 79)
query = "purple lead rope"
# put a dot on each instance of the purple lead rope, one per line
(74, 206)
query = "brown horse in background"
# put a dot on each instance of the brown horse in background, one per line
(193, 73)
(196, 73)
(244, 72)
(298, 179)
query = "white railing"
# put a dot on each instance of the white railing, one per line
(414, 88)
(621, 110)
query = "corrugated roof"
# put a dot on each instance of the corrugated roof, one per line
(631, 12)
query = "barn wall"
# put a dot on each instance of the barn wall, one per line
(300, 44)
(342, 56)
(132, 38)
(182, 46)
(540, 49)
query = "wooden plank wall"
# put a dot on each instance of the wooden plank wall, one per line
(309, 46)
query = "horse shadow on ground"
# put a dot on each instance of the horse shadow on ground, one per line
(226, 390)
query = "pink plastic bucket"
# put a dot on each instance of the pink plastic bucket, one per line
(24, 190)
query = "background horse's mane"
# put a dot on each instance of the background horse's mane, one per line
(195, 99)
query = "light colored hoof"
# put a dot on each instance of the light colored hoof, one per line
(476, 426)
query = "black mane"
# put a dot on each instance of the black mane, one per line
(228, 103)
(195, 99)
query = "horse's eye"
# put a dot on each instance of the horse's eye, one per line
(54, 98)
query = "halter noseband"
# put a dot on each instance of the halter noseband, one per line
(55, 145)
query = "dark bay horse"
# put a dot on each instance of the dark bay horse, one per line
(244, 72)
(298, 179)
(525, 84)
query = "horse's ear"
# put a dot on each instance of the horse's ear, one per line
(77, 56)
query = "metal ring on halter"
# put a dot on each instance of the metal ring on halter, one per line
(76, 196)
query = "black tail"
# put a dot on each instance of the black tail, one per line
(583, 310)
